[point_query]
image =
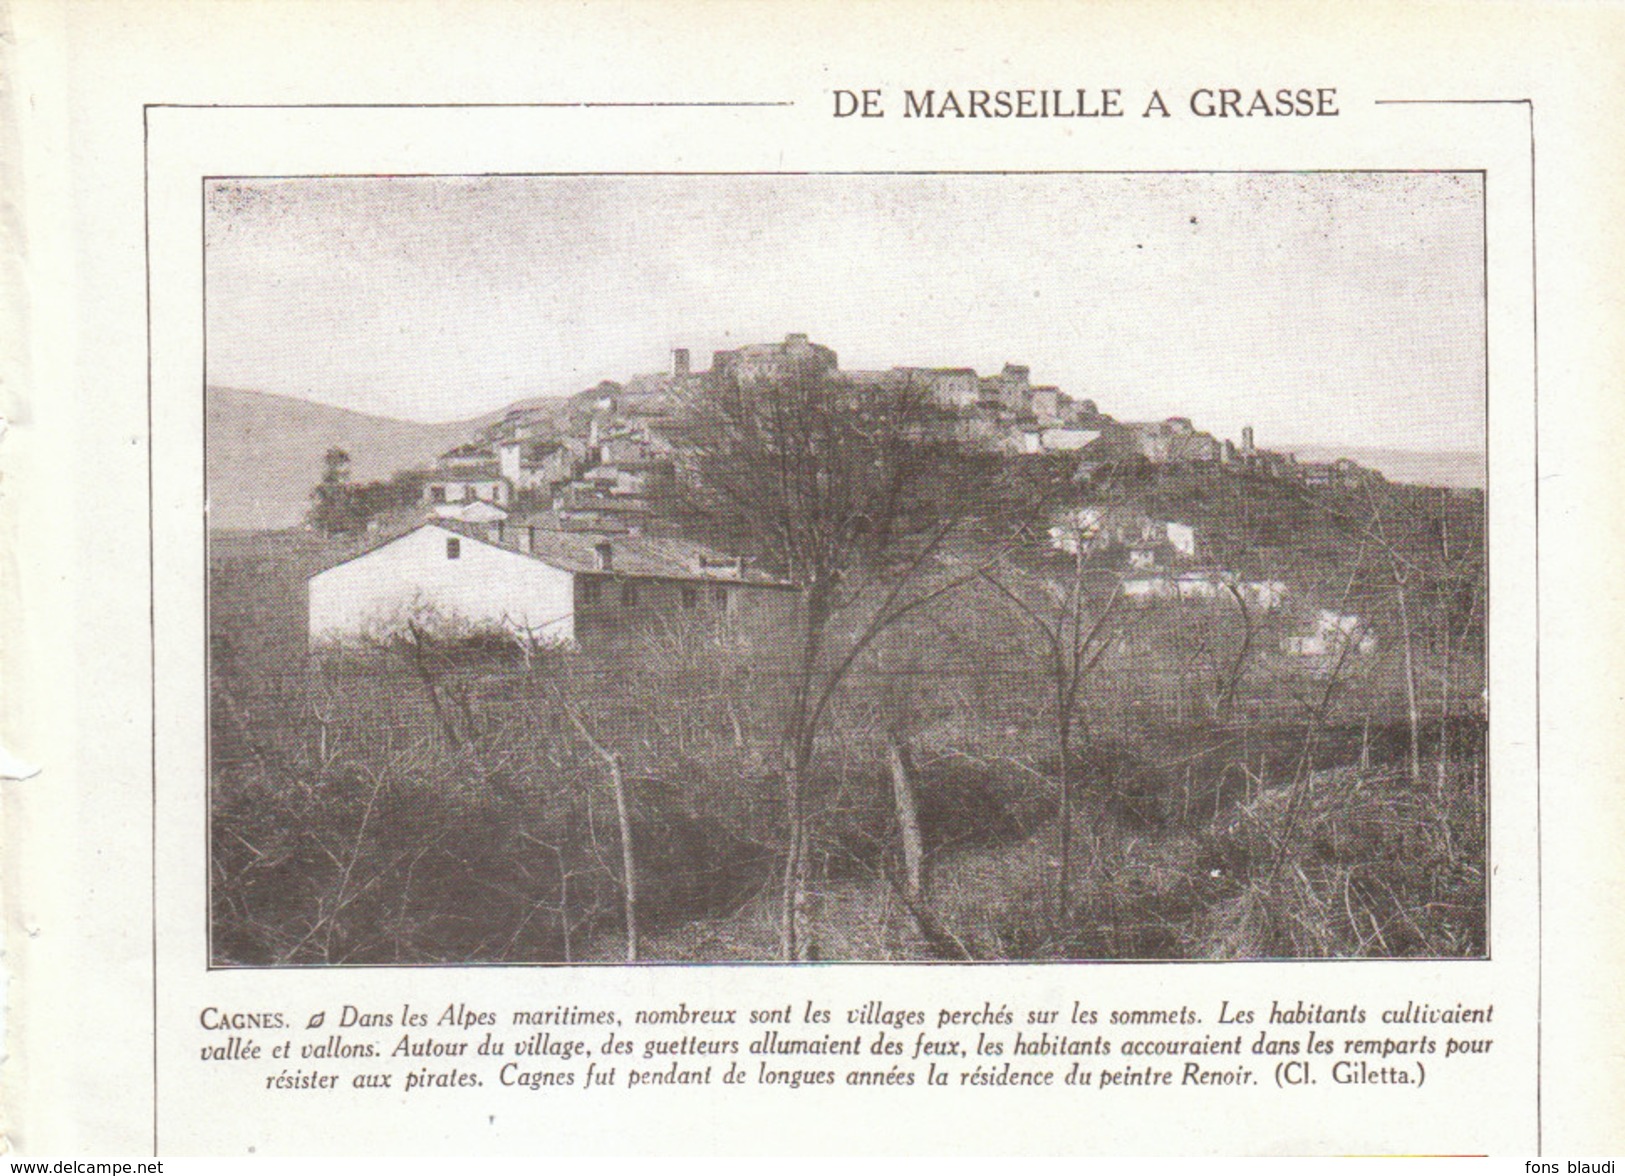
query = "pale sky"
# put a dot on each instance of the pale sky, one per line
(1336, 309)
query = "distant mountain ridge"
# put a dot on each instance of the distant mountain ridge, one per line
(265, 452)
(1458, 469)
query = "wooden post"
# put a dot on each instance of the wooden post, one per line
(629, 868)
(908, 818)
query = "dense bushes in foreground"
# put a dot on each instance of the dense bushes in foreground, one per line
(428, 802)
(458, 817)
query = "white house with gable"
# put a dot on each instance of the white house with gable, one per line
(520, 578)
(445, 578)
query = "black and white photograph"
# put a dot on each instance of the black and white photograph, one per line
(720, 581)
(750, 568)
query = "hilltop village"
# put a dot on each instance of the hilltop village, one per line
(550, 520)
(612, 455)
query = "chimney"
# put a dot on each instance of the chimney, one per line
(679, 361)
(606, 555)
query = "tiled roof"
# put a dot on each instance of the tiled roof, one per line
(630, 555)
(482, 474)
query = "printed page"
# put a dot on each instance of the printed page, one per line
(735, 579)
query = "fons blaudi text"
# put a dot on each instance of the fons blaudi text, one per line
(1080, 102)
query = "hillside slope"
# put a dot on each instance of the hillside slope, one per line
(265, 452)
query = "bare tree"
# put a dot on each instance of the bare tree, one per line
(1432, 555)
(1458, 603)
(845, 489)
(1071, 620)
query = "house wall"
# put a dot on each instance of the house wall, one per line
(1183, 539)
(634, 451)
(478, 511)
(556, 467)
(661, 607)
(467, 490)
(508, 455)
(1145, 589)
(1194, 586)
(485, 587)
(1264, 594)
(1067, 440)
(1153, 446)
(954, 389)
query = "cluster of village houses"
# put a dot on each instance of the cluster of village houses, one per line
(534, 532)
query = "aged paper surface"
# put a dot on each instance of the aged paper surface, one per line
(1379, 236)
